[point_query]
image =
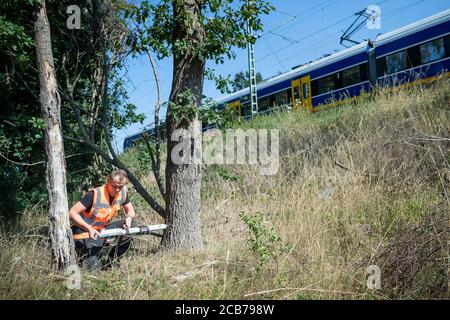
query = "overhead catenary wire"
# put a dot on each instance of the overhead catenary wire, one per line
(397, 11)
(269, 46)
(294, 41)
(322, 29)
(271, 32)
(320, 10)
(291, 41)
(297, 41)
(294, 17)
(401, 9)
(284, 13)
(387, 15)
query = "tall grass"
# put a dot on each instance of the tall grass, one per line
(363, 184)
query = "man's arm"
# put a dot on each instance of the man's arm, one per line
(129, 214)
(75, 216)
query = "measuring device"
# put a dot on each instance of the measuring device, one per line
(107, 233)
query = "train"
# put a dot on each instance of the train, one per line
(415, 53)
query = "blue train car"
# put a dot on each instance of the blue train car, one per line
(130, 140)
(418, 52)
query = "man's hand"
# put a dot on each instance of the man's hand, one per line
(93, 233)
(127, 223)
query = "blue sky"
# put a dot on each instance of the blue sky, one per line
(300, 31)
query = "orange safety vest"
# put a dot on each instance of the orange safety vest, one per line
(102, 212)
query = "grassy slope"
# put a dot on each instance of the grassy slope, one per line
(363, 184)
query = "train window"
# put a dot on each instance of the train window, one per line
(414, 56)
(396, 62)
(246, 110)
(263, 104)
(447, 46)
(314, 88)
(432, 51)
(381, 67)
(281, 98)
(351, 76)
(326, 84)
(272, 100)
(363, 72)
(289, 95)
(296, 93)
(305, 89)
(338, 83)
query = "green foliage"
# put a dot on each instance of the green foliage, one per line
(226, 85)
(20, 131)
(264, 242)
(20, 147)
(223, 84)
(80, 58)
(242, 80)
(143, 165)
(185, 107)
(224, 24)
(152, 36)
(210, 115)
(15, 42)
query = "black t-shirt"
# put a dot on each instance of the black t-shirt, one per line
(88, 199)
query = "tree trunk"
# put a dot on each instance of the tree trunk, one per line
(183, 181)
(62, 245)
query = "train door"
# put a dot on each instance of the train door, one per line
(306, 93)
(236, 107)
(296, 95)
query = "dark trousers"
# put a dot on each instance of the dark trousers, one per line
(90, 251)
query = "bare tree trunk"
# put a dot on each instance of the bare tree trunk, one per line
(62, 245)
(183, 181)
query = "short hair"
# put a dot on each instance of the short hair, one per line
(118, 172)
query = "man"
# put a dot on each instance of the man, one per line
(95, 212)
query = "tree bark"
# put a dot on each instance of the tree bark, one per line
(62, 245)
(183, 181)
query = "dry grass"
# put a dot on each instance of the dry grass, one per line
(364, 184)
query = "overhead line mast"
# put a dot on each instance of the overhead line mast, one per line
(251, 68)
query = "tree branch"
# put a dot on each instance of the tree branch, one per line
(113, 159)
(117, 163)
(40, 162)
(155, 167)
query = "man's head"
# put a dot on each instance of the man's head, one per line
(116, 181)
